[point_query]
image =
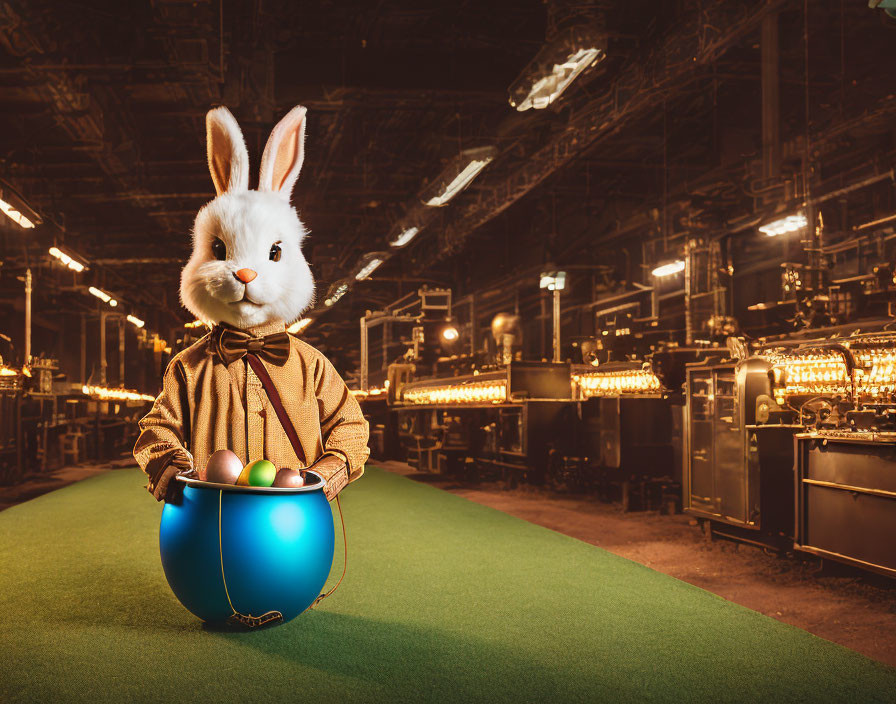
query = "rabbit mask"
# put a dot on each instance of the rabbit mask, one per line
(247, 266)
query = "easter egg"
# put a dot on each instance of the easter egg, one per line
(288, 479)
(223, 467)
(258, 473)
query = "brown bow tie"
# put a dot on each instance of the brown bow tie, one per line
(231, 344)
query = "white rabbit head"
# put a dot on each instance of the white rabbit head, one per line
(247, 266)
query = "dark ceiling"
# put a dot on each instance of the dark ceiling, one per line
(102, 128)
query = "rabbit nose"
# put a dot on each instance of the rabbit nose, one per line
(245, 275)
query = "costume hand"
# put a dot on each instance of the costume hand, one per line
(165, 488)
(334, 472)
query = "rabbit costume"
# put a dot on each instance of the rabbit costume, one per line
(247, 275)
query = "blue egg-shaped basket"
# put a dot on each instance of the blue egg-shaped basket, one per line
(249, 550)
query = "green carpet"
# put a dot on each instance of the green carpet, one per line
(445, 600)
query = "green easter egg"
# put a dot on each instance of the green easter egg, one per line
(258, 473)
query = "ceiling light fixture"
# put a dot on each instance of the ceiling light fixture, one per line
(368, 269)
(406, 236)
(136, 321)
(16, 209)
(459, 174)
(67, 259)
(338, 291)
(781, 226)
(669, 269)
(556, 66)
(103, 296)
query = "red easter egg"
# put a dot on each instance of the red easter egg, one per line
(288, 479)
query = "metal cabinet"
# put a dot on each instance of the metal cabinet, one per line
(737, 472)
(846, 499)
(715, 476)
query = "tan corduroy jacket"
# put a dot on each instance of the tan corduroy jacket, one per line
(206, 406)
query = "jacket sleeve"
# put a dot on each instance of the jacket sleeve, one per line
(164, 431)
(342, 425)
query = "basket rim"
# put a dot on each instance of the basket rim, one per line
(199, 484)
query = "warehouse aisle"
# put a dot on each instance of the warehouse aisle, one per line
(445, 600)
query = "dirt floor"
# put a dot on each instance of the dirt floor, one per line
(847, 606)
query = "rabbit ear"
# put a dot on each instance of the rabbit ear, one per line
(228, 159)
(284, 154)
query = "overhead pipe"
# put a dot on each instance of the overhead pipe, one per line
(874, 223)
(870, 181)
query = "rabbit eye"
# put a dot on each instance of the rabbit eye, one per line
(274, 256)
(219, 249)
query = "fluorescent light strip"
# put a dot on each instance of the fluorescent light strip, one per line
(103, 296)
(106, 394)
(136, 321)
(66, 259)
(548, 88)
(337, 294)
(14, 215)
(460, 182)
(782, 226)
(368, 269)
(669, 269)
(405, 237)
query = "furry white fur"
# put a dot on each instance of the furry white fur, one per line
(249, 223)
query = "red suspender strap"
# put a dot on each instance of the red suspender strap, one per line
(271, 391)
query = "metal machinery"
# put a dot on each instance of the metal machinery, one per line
(11, 382)
(632, 405)
(843, 390)
(47, 420)
(453, 410)
(402, 340)
(738, 462)
(628, 432)
(796, 447)
(515, 420)
(33, 421)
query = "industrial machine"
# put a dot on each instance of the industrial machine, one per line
(627, 432)
(845, 464)
(738, 472)
(515, 420)
(794, 447)
(443, 404)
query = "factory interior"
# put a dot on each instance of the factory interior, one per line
(613, 285)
